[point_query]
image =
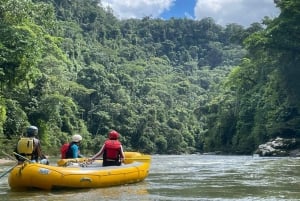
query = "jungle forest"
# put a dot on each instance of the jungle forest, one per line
(176, 86)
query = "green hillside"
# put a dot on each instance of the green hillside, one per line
(168, 86)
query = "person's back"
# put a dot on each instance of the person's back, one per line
(29, 147)
(112, 153)
(112, 150)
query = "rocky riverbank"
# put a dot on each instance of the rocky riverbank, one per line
(280, 147)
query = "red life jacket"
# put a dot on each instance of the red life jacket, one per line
(112, 149)
(63, 150)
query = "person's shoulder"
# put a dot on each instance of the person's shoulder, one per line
(36, 140)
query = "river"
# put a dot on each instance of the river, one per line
(191, 178)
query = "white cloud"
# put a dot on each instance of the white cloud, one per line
(125, 9)
(244, 12)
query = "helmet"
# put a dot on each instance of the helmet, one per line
(32, 131)
(76, 138)
(113, 135)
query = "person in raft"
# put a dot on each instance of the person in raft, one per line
(111, 150)
(72, 149)
(29, 147)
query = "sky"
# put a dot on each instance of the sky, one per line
(242, 12)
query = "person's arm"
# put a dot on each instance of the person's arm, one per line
(99, 153)
(80, 155)
(38, 148)
(122, 154)
(41, 157)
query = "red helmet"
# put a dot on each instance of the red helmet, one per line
(113, 135)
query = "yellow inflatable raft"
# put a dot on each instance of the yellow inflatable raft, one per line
(34, 175)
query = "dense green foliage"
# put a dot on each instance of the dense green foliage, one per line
(260, 99)
(168, 86)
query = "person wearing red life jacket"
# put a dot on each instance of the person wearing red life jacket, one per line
(111, 150)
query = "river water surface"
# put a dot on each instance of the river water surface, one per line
(191, 177)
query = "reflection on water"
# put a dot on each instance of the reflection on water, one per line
(192, 177)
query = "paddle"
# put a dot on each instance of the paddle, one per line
(7, 171)
(9, 156)
(22, 157)
(10, 169)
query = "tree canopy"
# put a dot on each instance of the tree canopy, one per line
(168, 86)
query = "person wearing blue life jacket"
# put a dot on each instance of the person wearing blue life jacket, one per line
(73, 150)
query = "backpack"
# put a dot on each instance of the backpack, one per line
(63, 150)
(25, 146)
